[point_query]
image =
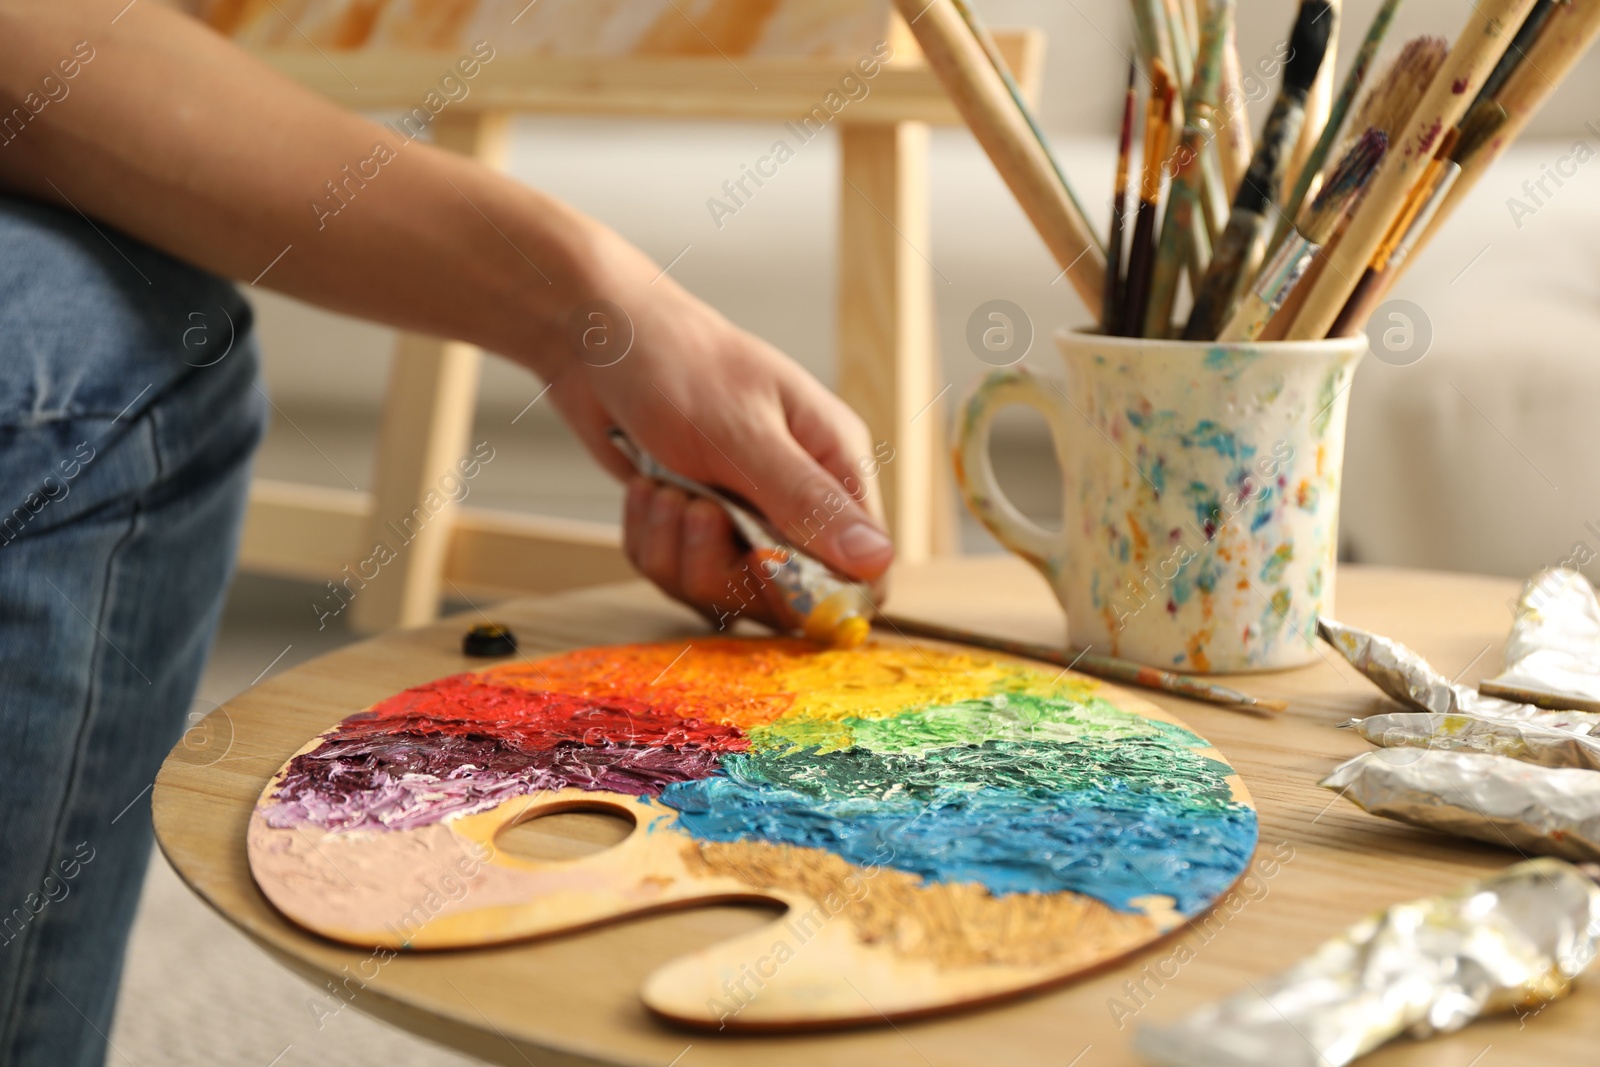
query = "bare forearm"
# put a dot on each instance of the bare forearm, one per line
(172, 134)
(175, 136)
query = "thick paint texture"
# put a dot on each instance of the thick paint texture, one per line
(952, 767)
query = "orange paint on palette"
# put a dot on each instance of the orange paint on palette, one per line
(724, 680)
(716, 679)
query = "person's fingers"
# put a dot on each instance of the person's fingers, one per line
(687, 547)
(812, 510)
(717, 575)
(711, 558)
(837, 438)
(661, 539)
(635, 510)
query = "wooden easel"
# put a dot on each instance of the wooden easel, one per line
(888, 364)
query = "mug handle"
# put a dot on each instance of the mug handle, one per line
(1045, 549)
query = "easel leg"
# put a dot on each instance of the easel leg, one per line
(888, 365)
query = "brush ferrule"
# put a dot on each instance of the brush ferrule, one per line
(1285, 267)
(1430, 207)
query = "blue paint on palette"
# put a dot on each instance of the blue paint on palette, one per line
(1146, 817)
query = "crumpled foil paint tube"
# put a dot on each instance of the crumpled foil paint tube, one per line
(1551, 811)
(1529, 742)
(1409, 678)
(1553, 654)
(1513, 941)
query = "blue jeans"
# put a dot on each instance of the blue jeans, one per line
(129, 409)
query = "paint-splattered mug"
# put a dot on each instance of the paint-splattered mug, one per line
(1200, 497)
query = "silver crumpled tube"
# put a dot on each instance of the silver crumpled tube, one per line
(1513, 941)
(1550, 811)
(1553, 653)
(1529, 742)
(1410, 679)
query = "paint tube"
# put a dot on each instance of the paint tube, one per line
(1551, 811)
(1510, 942)
(1408, 678)
(823, 607)
(1529, 742)
(1553, 653)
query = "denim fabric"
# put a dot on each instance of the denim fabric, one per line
(129, 409)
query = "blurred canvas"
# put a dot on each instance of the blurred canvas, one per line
(560, 27)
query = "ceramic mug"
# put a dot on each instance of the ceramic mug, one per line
(1200, 493)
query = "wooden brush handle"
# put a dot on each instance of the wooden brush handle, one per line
(1141, 263)
(1319, 108)
(1490, 27)
(1234, 143)
(1357, 309)
(1568, 32)
(995, 120)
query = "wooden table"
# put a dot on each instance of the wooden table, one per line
(572, 1000)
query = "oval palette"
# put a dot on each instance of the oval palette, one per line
(944, 827)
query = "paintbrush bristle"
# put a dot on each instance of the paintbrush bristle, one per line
(1481, 123)
(1308, 44)
(1157, 129)
(1398, 90)
(1343, 185)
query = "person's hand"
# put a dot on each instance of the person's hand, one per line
(725, 408)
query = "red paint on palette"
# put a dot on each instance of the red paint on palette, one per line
(464, 705)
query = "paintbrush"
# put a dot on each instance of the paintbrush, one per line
(1568, 32)
(1162, 31)
(1183, 33)
(1183, 241)
(1476, 130)
(1117, 670)
(1183, 52)
(828, 609)
(1516, 51)
(1141, 255)
(1482, 125)
(1240, 250)
(1310, 232)
(992, 50)
(1319, 108)
(1490, 26)
(1189, 11)
(1336, 115)
(1111, 315)
(1152, 34)
(1234, 147)
(1426, 196)
(1386, 106)
(980, 95)
(1398, 90)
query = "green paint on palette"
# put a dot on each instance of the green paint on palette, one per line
(1004, 717)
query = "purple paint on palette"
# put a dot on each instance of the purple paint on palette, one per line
(406, 780)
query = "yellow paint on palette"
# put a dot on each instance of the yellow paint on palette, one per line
(725, 680)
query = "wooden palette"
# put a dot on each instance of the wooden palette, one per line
(943, 828)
